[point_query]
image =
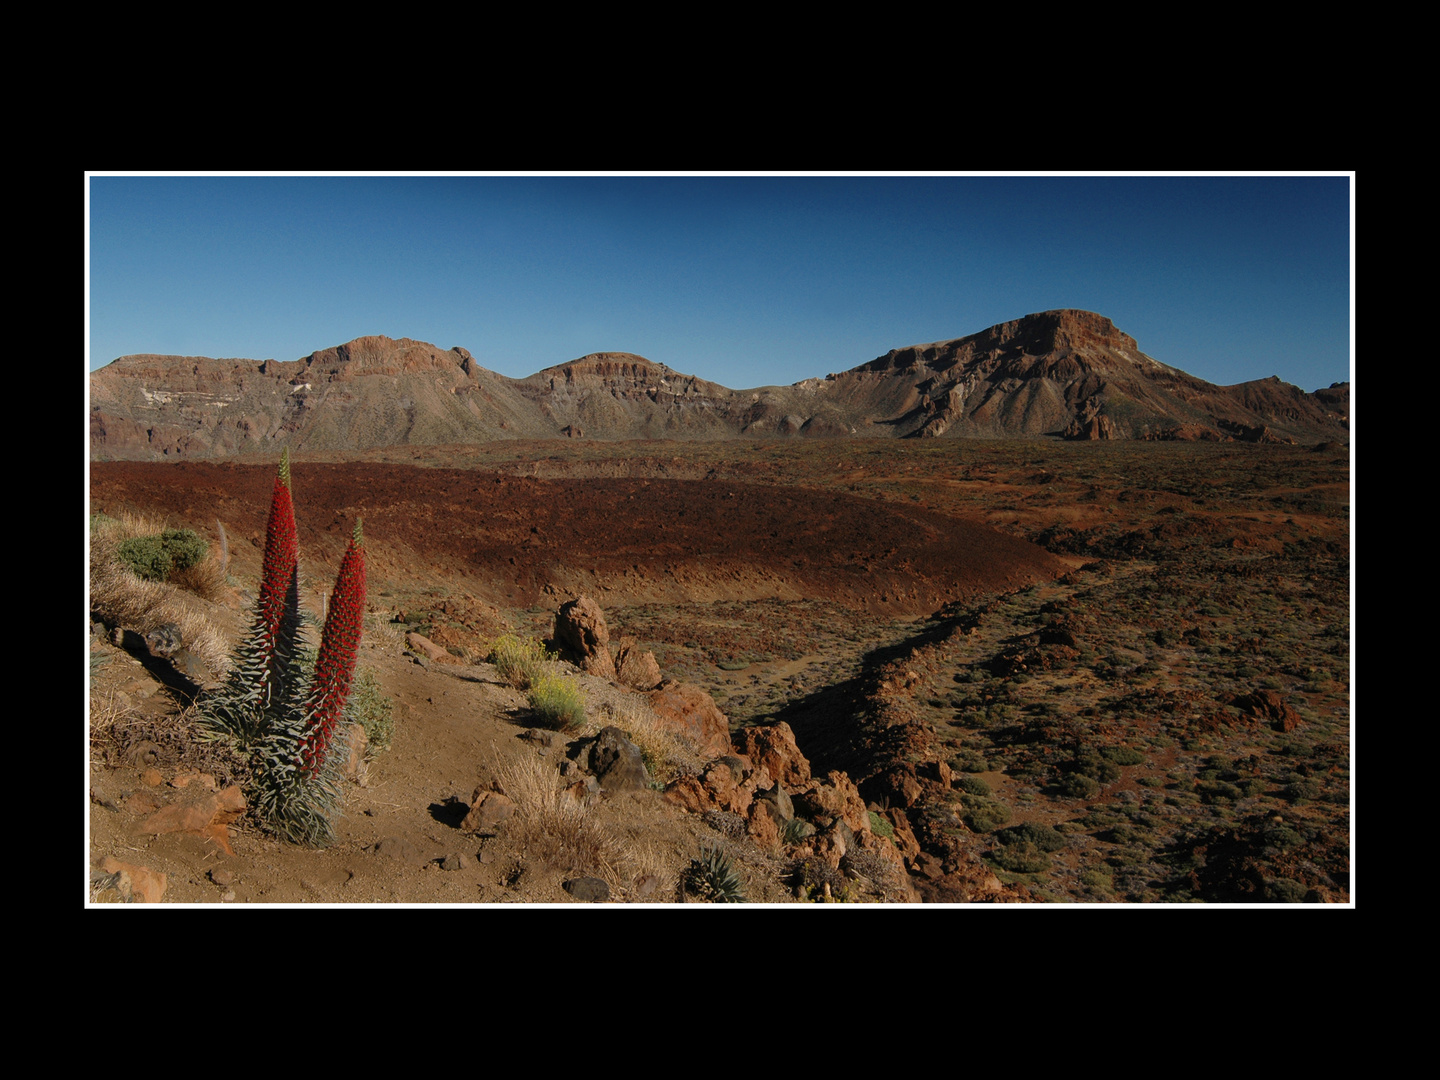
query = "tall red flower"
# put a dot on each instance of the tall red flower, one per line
(335, 664)
(279, 582)
(265, 677)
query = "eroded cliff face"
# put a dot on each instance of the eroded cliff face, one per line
(1064, 373)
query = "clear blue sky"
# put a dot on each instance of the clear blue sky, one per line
(747, 281)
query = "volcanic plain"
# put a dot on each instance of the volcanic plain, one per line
(1099, 671)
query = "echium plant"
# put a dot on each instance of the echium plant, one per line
(298, 766)
(291, 722)
(335, 665)
(265, 677)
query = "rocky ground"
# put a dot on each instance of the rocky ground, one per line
(1047, 672)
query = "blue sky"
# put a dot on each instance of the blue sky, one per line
(744, 280)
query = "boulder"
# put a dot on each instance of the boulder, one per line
(692, 712)
(487, 809)
(617, 763)
(773, 749)
(583, 638)
(1269, 706)
(635, 668)
(423, 646)
(836, 797)
(717, 789)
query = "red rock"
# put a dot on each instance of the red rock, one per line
(835, 796)
(693, 713)
(762, 827)
(419, 643)
(773, 749)
(637, 669)
(136, 884)
(725, 790)
(583, 637)
(488, 809)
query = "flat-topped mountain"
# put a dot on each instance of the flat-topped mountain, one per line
(1064, 373)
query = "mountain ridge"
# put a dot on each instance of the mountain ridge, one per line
(1063, 373)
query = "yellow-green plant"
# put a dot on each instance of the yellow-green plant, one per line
(519, 661)
(557, 702)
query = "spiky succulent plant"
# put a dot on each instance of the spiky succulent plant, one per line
(297, 769)
(265, 677)
(711, 877)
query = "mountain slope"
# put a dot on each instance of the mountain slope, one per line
(1057, 373)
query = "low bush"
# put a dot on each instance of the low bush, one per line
(520, 661)
(555, 829)
(1079, 786)
(154, 557)
(984, 815)
(557, 702)
(371, 709)
(1020, 859)
(880, 827)
(118, 597)
(1123, 755)
(1041, 837)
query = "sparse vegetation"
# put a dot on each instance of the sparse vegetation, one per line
(371, 709)
(519, 661)
(557, 702)
(1153, 716)
(120, 598)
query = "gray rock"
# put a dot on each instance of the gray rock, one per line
(588, 889)
(780, 799)
(617, 762)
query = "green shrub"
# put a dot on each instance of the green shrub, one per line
(1041, 837)
(1097, 880)
(1285, 891)
(154, 558)
(984, 815)
(973, 785)
(880, 827)
(1020, 859)
(1123, 755)
(145, 556)
(557, 702)
(371, 709)
(520, 661)
(1079, 786)
(968, 761)
(1094, 765)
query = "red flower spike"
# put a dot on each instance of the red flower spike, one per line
(335, 664)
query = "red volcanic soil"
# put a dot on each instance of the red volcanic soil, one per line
(518, 540)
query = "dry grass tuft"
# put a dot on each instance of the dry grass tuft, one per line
(552, 826)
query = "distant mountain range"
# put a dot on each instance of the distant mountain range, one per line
(1065, 374)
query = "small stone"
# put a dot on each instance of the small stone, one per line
(588, 889)
(152, 778)
(488, 810)
(134, 884)
(222, 877)
(456, 861)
